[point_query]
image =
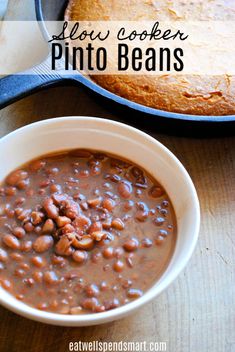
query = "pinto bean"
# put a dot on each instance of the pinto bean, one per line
(67, 229)
(136, 172)
(24, 266)
(76, 310)
(111, 304)
(125, 189)
(42, 306)
(156, 191)
(141, 215)
(28, 227)
(3, 255)
(159, 240)
(37, 165)
(84, 173)
(134, 293)
(26, 246)
(95, 170)
(23, 184)
(38, 276)
(50, 208)
(20, 297)
(127, 283)
(11, 242)
(10, 213)
(61, 221)
(98, 235)
(108, 252)
(93, 162)
(107, 224)
(118, 252)
(158, 221)
(6, 284)
(90, 303)
(96, 226)
(142, 206)
(128, 205)
(119, 163)
(93, 203)
(164, 233)
(115, 178)
(19, 272)
(58, 260)
(48, 226)
(15, 177)
(147, 242)
(16, 256)
(39, 262)
(131, 244)
(80, 256)
(104, 286)
(52, 171)
(118, 224)
(37, 217)
(92, 290)
(86, 243)
(118, 266)
(108, 204)
(10, 191)
(50, 277)
(72, 210)
(60, 199)
(165, 203)
(38, 230)
(55, 188)
(23, 214)
(43, 243)
(84, 205)
(63, 246)
(99, 309)
(19, 232)
(82, 222)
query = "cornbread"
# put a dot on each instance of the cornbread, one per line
(188, 94)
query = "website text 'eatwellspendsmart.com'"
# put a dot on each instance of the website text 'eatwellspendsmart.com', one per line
(117, 346)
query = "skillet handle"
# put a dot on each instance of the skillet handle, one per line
(18, 86)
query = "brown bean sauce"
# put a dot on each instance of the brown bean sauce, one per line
(83, 231)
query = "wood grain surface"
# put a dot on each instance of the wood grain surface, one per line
(197, 312)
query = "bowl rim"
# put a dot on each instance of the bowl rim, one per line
(117, 313)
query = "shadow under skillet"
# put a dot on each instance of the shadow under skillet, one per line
(68, 100)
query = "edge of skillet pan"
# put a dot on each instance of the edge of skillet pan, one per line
(48, 11)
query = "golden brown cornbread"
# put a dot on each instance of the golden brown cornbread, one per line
(188, 94)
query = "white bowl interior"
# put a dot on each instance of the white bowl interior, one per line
(73, 132)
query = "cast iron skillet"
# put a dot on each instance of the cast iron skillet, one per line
(15, 87)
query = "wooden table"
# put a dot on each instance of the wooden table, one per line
(197, 312)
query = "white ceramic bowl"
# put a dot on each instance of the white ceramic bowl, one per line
(86, 132)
